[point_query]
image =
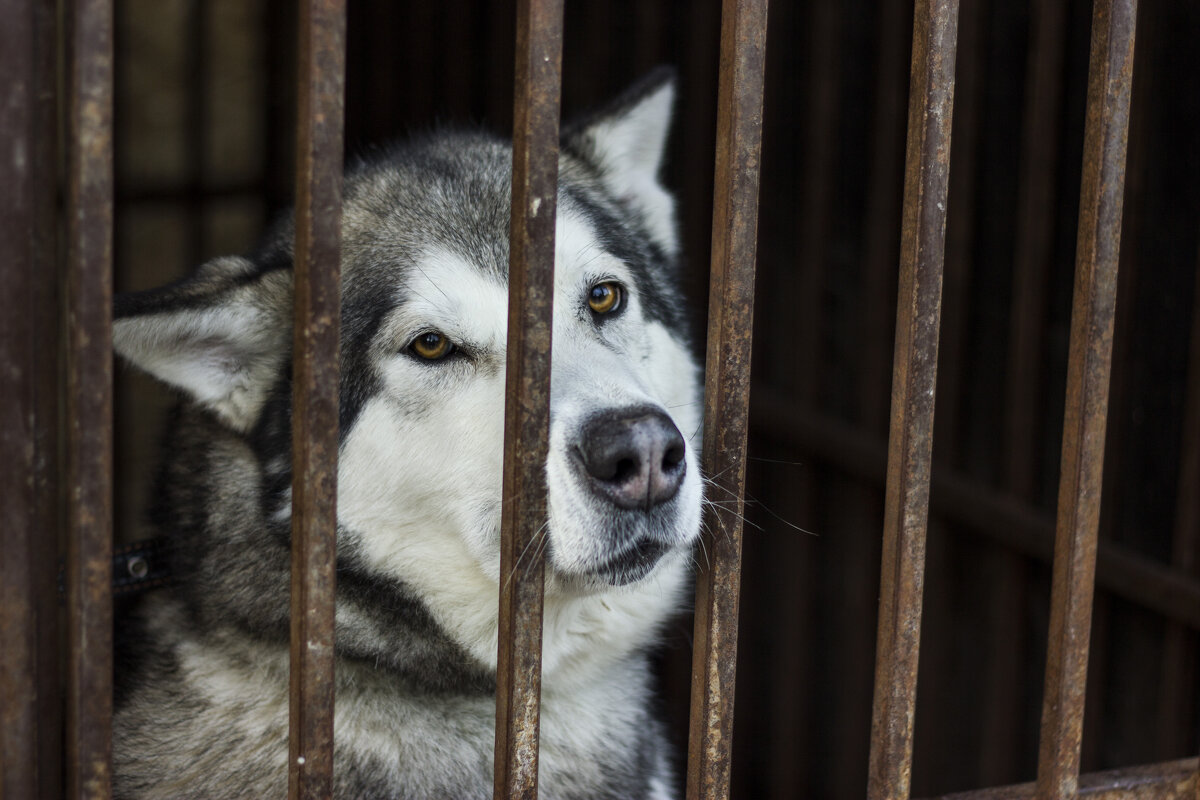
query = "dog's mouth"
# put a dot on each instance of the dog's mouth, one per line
(633, 563)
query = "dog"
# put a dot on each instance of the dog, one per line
(202, 709)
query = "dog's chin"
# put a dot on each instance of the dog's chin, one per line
(631, 564)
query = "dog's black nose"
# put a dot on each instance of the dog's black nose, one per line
(633, 458)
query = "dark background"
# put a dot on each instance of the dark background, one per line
(205, 114)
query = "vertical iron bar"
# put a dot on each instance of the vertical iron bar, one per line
(18, 520)
(727, 390)
(537, 87)
(322, 62)
(49, 390)
(1105, 137)
(89, 400)
(906, 503)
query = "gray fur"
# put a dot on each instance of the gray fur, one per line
(202, 706)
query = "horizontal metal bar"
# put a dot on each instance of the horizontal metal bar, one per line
(910, 444)
(1008, 520)
(1110, 80)
(1171, 780)
(89, 400)
(727, 391)
(322, 55)
(537, 90)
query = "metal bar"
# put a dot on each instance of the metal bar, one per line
(322, 69)
(906, 498)
(18, 520)
(1105, 138)
(727, 390)
(49, 391)
(1171, 780)
(537, 87)
(89, 400)
(1177, 701)
(1015, 523)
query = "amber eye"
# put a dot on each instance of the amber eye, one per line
(604, 297)
(431, 346)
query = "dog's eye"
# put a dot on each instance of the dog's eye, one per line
(605, 298)
(431, 346)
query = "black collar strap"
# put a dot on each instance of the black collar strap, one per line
(136, 567)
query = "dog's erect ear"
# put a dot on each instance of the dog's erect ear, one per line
(626, 142)
(220, 335)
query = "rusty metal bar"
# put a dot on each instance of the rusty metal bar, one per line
(49, 391)
(322, 69)
(1171, 780)
(1178, 689)
(18, 513)
(1105, 138)
(538, 85)
(727, 390)
(960, 498)
(89, 400)
(906, 498)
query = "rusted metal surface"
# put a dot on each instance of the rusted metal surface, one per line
(1101, 197)
(322, 58)
(1178, 693)
(89, 400)
(1019, 525)
(527, 407)
(906, 497)
(727, 391)
(1172, 780)
(18, 513)
(48, 332)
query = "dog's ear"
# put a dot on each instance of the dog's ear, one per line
(626, 142)
(220, 335)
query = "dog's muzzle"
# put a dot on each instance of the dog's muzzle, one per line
(632, 458)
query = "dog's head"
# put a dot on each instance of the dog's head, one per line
(424, 325)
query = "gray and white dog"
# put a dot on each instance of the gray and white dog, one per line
(203, 704)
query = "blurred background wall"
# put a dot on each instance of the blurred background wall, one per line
(204, 161)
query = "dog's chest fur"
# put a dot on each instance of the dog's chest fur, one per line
(393, 739)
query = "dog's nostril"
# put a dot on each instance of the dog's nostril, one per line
(626, 468)
(673, 457)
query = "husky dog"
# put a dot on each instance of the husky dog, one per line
(202, 710)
